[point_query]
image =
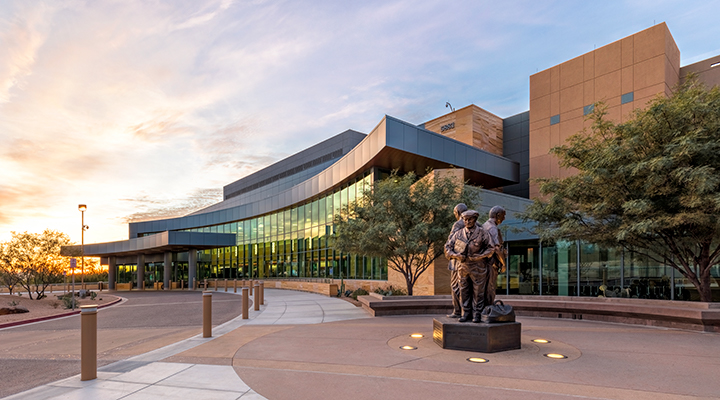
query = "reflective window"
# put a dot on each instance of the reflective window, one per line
(627, 97)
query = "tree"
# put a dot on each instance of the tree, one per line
(9, 275)
(404, 220)
(35, 259)
(650, 185)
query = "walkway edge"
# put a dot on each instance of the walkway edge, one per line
(49, 317)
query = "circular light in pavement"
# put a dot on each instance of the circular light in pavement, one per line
(555, 356)
(408, 347)
(416, 335)
(541, 341)
(478, 360)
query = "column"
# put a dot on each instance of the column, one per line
(167, 270)
(140, 270)
(192, 267)
(112, 273)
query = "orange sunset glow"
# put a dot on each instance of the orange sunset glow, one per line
(144, 110)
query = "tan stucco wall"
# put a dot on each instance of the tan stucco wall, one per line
(646, 63)
(473, 126)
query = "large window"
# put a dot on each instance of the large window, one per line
(291, 243)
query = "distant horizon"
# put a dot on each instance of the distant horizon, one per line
(145, 111)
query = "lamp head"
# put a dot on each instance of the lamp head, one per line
(82, 207)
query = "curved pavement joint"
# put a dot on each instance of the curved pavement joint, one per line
(146, 377)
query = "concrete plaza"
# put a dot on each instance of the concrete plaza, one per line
(307, 346)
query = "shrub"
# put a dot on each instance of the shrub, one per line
(359, 292)
(67, 301)
(391, 291)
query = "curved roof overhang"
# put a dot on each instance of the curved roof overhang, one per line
(162, 242)
(392, 144)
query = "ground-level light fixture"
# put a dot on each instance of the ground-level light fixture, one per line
(541, 341)
(408, 347)
(417, 335)
(478, 360)
(555, 356)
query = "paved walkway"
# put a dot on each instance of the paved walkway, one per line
(307, 346)
(146, 377)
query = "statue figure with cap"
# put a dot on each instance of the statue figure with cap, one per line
(470, 250)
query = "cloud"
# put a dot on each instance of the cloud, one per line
(152, 208)
(203, 17)
(158, 101)
(19, 43)
(158, 126)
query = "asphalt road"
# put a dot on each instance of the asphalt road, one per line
(39, 353)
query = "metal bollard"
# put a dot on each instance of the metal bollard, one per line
(256, 298)
(207, 314)
(245, 302)
(88, 342)
(262, 293)
(234, 285)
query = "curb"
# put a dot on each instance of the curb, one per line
(49, 317)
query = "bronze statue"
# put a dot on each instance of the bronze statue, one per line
(496, 263)
(469, 249)
(454, 278)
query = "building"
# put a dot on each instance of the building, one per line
(274, 224)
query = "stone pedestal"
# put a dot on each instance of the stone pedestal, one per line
(448, 333)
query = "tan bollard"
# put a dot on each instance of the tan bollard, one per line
(262, 293)
(216, 285)
(234, 285)
(225, 285)
(252, 284)
(88, 342)
(182, 284)
(206, 285)
(256, 298)
(207, 314)
(245, 302)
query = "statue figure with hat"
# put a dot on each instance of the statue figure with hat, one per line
(469, 250)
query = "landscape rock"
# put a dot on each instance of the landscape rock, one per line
(13, 310)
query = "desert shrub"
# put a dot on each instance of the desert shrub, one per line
(391, 291)
(67, 301)
(359, 292)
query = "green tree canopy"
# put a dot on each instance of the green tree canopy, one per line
(404, 220)
(651, 184)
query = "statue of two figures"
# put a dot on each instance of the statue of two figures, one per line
(477, 255)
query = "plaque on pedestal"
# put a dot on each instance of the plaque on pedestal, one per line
(448, 333)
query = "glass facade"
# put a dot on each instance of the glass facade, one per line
(291, 243)
(582, 269)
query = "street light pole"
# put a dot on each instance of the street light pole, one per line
(82, 208)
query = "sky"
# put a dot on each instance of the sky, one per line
(146, 109)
